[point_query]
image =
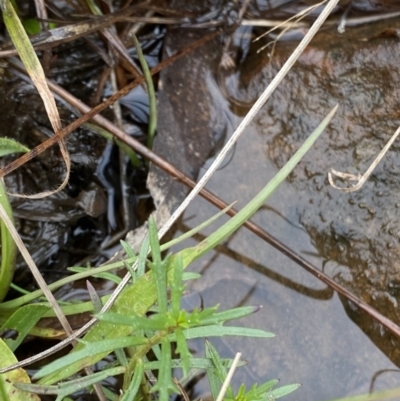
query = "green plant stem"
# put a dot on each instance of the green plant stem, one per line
(8, 247)
(140, 353)
(152, 93)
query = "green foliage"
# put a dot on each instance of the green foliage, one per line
(170, 327)
(8, 246)
(8, 146)
(129, 326)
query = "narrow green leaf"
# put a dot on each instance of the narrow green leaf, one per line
(183, 350)
(263, 388)
(244, 214)
(94, 297)
(8, 246)
(128, 249)
(195, 230)
(133, 388)
(86, 353)
(155, 322)
(22, 321)
(220, 331)
(284, 390)
(64, 389)
(144, 250)
(230, 314)
(216, 375)
(195, 363)
(164, 383)
(8, 146)
(158, 267)
(190, 276)
(105, 275)
(152, 94)
(177, 288)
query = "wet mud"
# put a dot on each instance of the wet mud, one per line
(74, 225)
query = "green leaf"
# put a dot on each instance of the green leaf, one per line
(86, 353)
(196, 229)
(220, 331)
(8, 246)
(244, 214)
(106, 276)
(282, 391)
(128, 249)
(183, 350)
(177, 288)
(216, 376)
(22, 321)
(158, 267)
(8, 146)
(195, 363)
(230, 314)
(164, 383)
(154, 322)
(133, 388)
(32, 26)
(144, 250)
(190, 276)
(7, 390)
(263, 388)
(69, 387)
(152, 95)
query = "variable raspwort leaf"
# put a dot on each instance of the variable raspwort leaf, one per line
(217, 374)
(183, 350)
(177, 288)
(230, 314)
(164, 383)
(158, 267)
(8, 146)
(282, 391)
(133, 388)
(7, 390)
(90, 349)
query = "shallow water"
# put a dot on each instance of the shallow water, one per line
(316, 343)
(322, 341)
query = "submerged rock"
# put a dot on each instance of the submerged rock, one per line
(360, 230)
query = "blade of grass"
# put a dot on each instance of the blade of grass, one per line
(32, 64)
(8, 247)
(151, 91)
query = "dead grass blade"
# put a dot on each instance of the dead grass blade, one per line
(64, 34)
(229, 376)
(99, 108)
(34, 68)
(361, 179)
(35, 271)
